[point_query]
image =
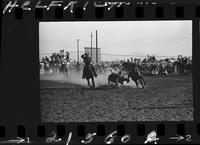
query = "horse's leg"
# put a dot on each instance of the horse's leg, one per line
(141, 82)
(145, 83)
(88, 80)
(93, 82)
(136, 83)
(68, 71)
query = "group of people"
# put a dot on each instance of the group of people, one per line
(55, 58)
(151, 65)
(184, 64)
(55, 62)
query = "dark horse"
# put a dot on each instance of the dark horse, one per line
(133, 72)
(128, 66)
(88, 70)
(89, 73)
(135, 75)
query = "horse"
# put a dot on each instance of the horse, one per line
(89, 73)
(67, 67)
(64, 68)
(77, 67)
(53, 65)
(135, 76)
(47, 68)
(128, 67)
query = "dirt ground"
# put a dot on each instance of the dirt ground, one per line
(164, 99)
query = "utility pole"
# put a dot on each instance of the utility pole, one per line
(91, 45)
(78, 50)
(96, 48)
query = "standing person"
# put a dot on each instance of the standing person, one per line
(58, 59)
(67, 56)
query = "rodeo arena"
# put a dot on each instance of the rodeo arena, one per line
(89, 89)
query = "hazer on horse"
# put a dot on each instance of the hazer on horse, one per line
(65, 67)
(135, 75)
(88, 70)
(65, 64)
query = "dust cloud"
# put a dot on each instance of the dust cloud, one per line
(75, 78)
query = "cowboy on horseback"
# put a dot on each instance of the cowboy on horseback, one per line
(135, 75)
(88, 65)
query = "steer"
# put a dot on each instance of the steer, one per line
(117, 78)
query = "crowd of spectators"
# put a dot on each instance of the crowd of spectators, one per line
(150, 64)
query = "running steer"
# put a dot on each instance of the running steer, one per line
(116, 78)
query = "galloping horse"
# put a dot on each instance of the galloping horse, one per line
(88, 70)
(89, 73)
(128, 67)
(134, 74)
(65, 67)
(47, 69)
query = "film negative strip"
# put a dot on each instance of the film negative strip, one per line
(100, 72)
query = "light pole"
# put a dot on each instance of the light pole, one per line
(91, 45)
(96, 48)
(78, 49)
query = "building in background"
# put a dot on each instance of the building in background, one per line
(94, 53)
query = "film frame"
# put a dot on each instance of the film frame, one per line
(23, 120)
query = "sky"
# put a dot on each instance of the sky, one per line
(118, 39)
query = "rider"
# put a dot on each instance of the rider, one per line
(87, 60)
(67, 56)
(137, 71)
